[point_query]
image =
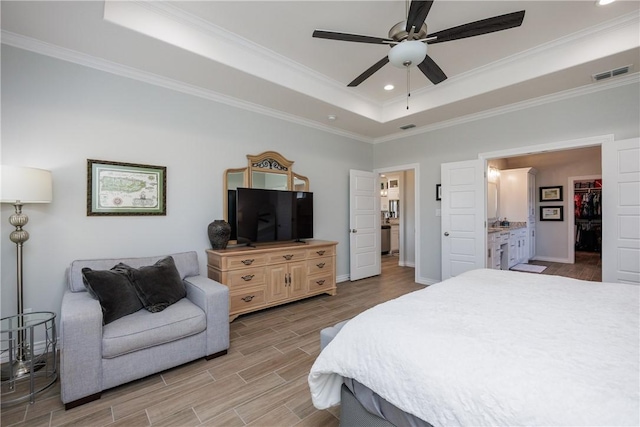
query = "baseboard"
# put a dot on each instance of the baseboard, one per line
(407, 264)
(427, 281)
(38, 348)
(551, 259)
(343, 278)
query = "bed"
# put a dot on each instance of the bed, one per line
(491, 347)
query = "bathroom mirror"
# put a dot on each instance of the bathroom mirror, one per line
(268, 170)
(492, 201)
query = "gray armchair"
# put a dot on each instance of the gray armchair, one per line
(96, 357)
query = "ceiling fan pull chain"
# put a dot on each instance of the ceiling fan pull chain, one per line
(408, 87)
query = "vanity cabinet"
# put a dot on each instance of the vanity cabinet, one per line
(518, 247)
(493, 251)
(517, 194)
(266, 276)
(498, 250)
(531, 235)
(518, 204)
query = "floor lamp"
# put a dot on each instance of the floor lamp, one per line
(19, 186)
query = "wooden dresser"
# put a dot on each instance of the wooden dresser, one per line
(265, 276)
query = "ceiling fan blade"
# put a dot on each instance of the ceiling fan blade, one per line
(431, 70)
(364, 76)
(418, 12)
(322, 34)
(477, 28)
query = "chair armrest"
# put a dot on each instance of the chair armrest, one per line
(81, 353)
(213, 298)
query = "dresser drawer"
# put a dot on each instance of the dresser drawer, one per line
(243, 261)
(247, 299)
(321, 251)
(246, 276)
(319, 265)
(321, 282)
(286, 255)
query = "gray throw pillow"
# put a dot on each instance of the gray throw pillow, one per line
(159, 285)
(113, 289)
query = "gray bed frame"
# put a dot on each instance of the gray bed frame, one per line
(353, 414)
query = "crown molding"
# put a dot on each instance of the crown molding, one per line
(173, 26)
(535, 102)
(179, 15)
(69, 55)
(48, 49)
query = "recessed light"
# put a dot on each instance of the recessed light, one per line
(332, 117)
(604, 2)
(389, 87)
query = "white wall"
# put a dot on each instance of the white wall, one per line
(612, 111)
(56, 115)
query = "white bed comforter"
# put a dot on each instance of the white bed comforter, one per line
(494, 347)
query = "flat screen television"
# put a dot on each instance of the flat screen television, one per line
(270, 215)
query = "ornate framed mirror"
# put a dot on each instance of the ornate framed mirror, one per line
(268, 170)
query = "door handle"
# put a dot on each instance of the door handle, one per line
(446, 233)
(354, 230)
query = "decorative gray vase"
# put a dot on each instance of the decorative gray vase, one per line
(219, 232)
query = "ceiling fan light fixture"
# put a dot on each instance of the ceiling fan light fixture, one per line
(408, 53)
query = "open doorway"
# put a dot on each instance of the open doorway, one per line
(569, 244)
(399, 209)
(392, 187)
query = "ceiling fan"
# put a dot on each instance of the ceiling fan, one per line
(409, 40)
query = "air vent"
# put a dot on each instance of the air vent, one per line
(611, 73)
(409, 126)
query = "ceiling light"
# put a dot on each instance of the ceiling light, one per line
(604, 2)
(332, 117)
(408, 53)
(389, 87)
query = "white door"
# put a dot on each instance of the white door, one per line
(621, 218)
(463, 203)
(364, 223)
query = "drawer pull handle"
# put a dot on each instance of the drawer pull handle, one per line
(320, 265)
(287, 257)
(247, 261)
(248, 298)
(320, 282)
(248, 277)
(320, 252)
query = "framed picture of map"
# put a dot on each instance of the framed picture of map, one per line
(115, 188)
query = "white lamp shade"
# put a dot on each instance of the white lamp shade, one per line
(26, 185)
(412, 52)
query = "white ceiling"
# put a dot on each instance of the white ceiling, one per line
(260, 54)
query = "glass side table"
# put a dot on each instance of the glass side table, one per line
(26, 370)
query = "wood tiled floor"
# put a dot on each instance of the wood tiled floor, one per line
(261, 382)
(588, 266)
(263, 379)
